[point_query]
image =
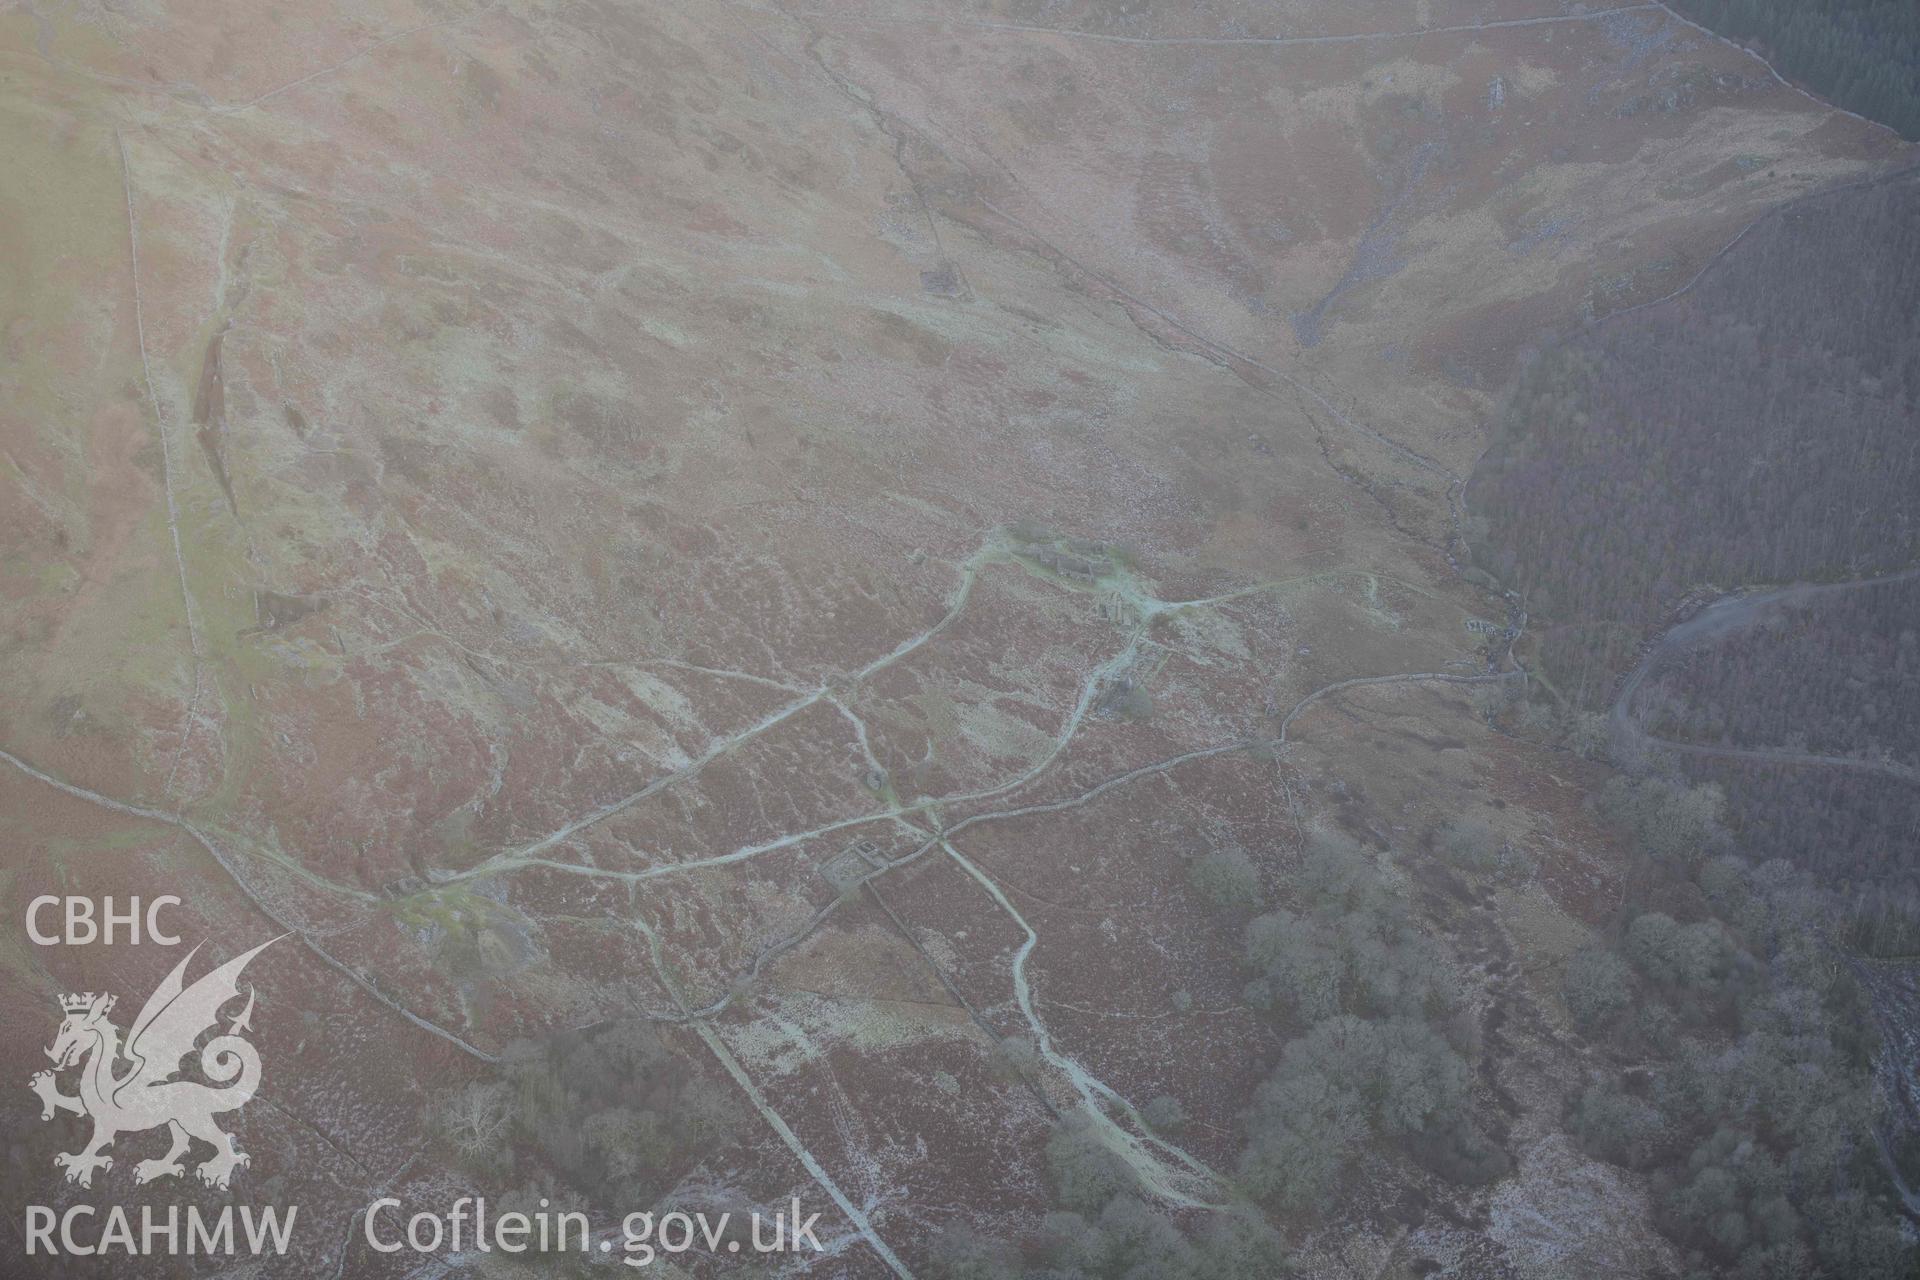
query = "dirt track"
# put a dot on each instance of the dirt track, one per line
(1724, 617)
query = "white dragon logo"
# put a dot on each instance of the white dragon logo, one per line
(145, 1095)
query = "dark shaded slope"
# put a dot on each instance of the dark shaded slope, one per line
(1836, 674)
(1863, 55)
(1762, 427)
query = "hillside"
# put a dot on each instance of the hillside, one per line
(1859, 53)
(864, 609)
(1706, 506)
(1757, 428)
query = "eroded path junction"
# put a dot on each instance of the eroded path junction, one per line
(1126, 698)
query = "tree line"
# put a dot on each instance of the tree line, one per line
(1838, 675)
(1738, 1054)
(1863, 55)
(1758, 429)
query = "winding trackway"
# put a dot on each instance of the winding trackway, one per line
(1275, 42)
(527, 854)
(1182, 1180)
(174, 820)
(1165, 1180)
(166, 465)
(1412, 677)
(1724, 617)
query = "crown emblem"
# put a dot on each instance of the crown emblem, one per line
(175, 1020)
